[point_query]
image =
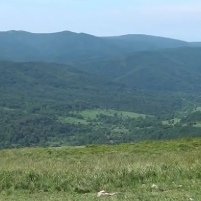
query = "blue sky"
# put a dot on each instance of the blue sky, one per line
(179, 19)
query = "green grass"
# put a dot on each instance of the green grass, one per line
(198, 125)
(7, 109)
(119, 130)
(92, 115)
(73, 120)
(175, 120)
(198, 109)
(79, 173)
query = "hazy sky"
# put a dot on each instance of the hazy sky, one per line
(170, 18)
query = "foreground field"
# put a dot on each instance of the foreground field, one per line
(146, 171)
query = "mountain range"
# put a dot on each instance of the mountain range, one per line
(46, 78)
(68, 47)
(52, 63)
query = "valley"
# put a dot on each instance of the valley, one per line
(70, 89)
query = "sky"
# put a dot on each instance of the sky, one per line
(179, 19)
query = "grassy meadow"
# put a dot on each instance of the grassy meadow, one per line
(148, 171)
(88, 115)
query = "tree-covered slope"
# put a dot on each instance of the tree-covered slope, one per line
(173, 70)
(55, 84)
(51, 82)
(42, 104)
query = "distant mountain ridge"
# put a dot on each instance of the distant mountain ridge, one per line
(139, 61)
(61, 47)
(69, 47)
(140, 42)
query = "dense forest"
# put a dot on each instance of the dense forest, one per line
(66, 89)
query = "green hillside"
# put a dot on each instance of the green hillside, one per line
(49, 83)
(47, 104)
(168, 170)
(173, 70)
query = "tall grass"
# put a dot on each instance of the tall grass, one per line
(175, 167)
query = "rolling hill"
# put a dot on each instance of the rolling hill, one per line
(172, 70)
(69, 47)
(25, 84)
(52, 82)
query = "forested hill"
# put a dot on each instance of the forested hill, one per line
(173, 70)
(36, 85)
(46, 103)
(70, 47)
(51, 83)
